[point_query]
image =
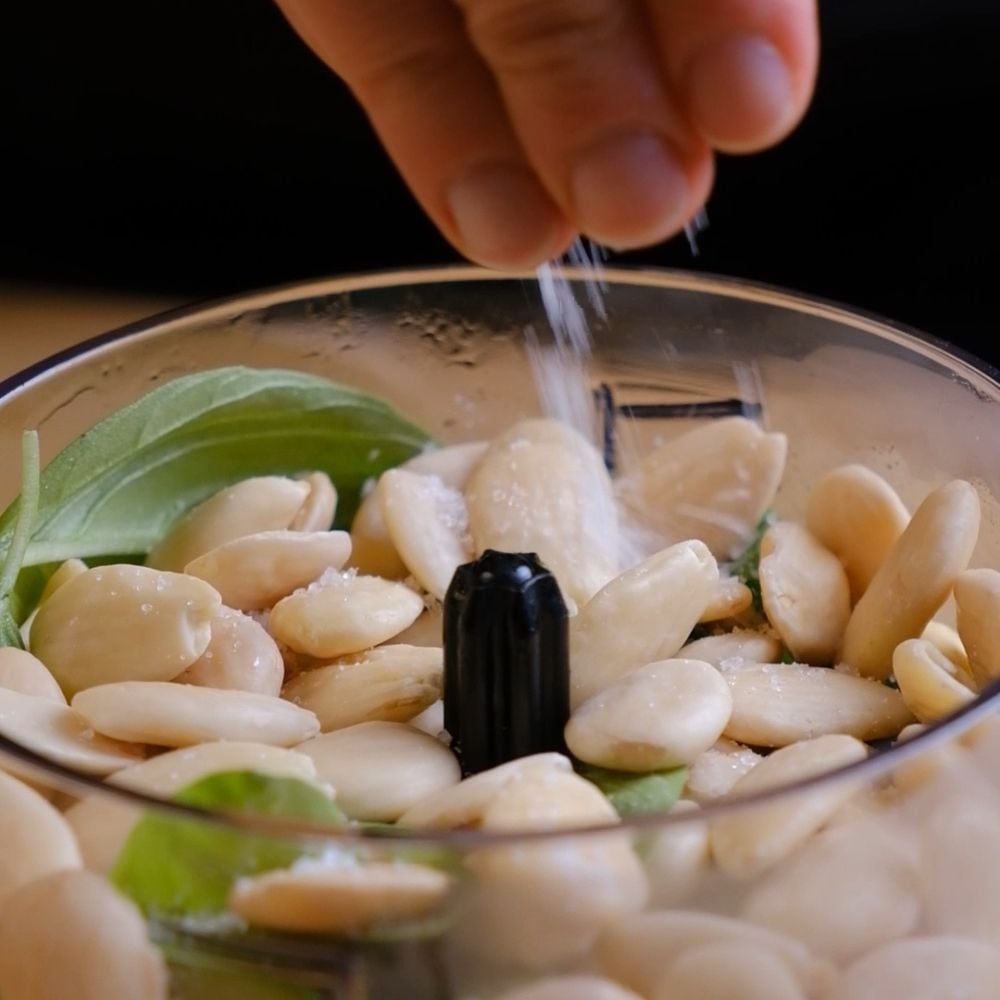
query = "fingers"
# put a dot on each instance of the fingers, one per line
(437, 111)
(517, 123)
(589, 103)
(743, 69)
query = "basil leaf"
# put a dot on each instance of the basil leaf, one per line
(186, 867)
(22, 520)
(10, 634)
(118, 488)
(637, 794)
(746, 566)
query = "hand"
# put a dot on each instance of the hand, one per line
(518, 123)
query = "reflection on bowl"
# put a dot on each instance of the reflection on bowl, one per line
(833, 752)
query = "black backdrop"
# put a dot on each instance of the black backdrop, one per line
(198, 148)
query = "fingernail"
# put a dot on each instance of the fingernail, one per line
(629, 191)
(504, 216)
(739, 91)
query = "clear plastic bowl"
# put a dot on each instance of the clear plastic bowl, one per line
(908, 851)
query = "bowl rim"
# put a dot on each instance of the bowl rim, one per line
(879, 763)
(876, 764)
(675, 278)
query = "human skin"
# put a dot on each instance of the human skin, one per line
(519, 124)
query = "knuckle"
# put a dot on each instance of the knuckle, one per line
(524, 37)
(408, 72)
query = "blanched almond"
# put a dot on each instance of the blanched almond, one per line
(344, 613)
(713, 483)
(430, 721)
(116, 623)
(544, 903)
(914, 580)
(58, 733)
(20, 671)
(950, 644)
(240, 656)
(547, 798)
(775, 704)
(391, 684)
(373, 552)
(660, 716)
(733, 648)
(750, 841)
(732, 597)
(977, 598)
(923, 968)
(256, 571)
(427, 630)
(715, 771)
(927, 682)
(65, 573)
(960, 858)
(318, 898)
(263, 503)
(36, 839)
(805, 592)
(540, 905)
(677, 858)
(320, 505)
(453, 464)
(465, 804)
(101, 828)
(70, 934)
(429, 526)
(725, 970)
(178, 715)
(381, 769)
(851, 889)
(858, 516)
(645, 614)
(639, 949)
(541, 487)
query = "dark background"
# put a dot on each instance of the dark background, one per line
(197, 148)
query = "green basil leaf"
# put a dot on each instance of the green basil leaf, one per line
(638, 794)
(746, 566)
(186, 867)
(10, 633)
(22, 522)
(118, 488)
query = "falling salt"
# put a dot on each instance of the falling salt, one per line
(694, 228)
(560, 370)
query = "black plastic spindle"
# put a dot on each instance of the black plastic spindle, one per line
(506, 660)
